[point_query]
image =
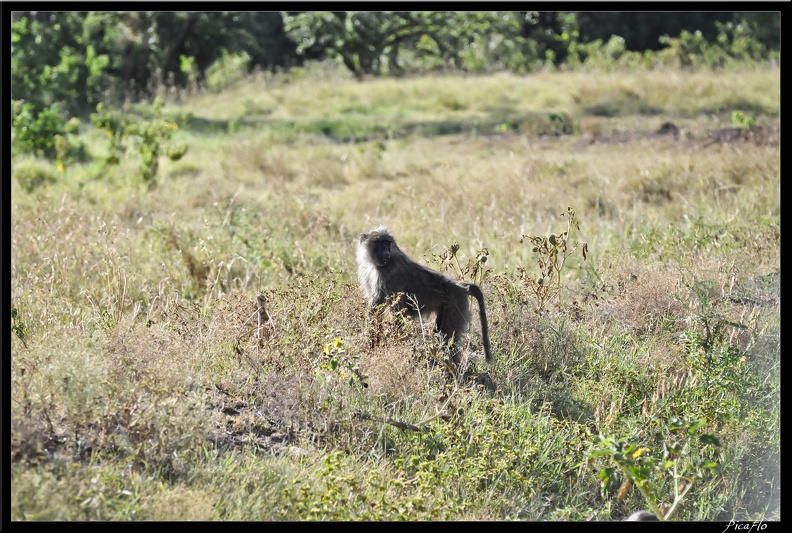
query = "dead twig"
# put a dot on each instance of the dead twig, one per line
(392, 422)
(405, 425)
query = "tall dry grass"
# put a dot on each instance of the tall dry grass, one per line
(142, 386)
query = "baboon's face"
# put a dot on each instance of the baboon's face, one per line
(380, 251)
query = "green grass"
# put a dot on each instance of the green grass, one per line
(140, 390)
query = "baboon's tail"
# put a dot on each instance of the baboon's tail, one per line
(475, 291)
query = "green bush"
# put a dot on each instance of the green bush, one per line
(151, 138)
(682, 462)
(33, 132)
(33, 176)
(229, 69)
(59, 60)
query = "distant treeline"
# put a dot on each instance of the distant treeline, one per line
(73, 60)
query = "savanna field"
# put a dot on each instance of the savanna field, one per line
(646, 375)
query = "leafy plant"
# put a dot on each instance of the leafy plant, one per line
(66, 145)
(338, 359)
(740, 119)
(34, 174)
(474, 270)
(36, 132)
(18, 325)
(375, 43)
(711, 318)
(58, 58)
(150, 137)
(641, 466)
(226, 70)
(188, 68)
(551, 255)
(560, 123)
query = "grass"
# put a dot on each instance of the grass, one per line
(141, 389)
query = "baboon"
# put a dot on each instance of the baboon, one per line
(388, 275)
(642, 516)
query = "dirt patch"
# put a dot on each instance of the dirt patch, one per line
(759, 135)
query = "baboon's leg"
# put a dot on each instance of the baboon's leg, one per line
(439, 319)
(446, 332)
(452, 320)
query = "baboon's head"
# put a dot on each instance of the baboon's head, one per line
(379, 244)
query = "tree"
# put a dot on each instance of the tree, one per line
(368, 43)
(641, 30)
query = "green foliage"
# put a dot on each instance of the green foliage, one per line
(150, 137)
(728, 388)
(734, 43)
(613, 54)
(561, 124)
(35, 132)
(709, 316)
(45, 135)
(18, 327)
(741, 41)
(551, 254)
(61, 58)
(211, 36)
(385, 42)
(740, 119)
(729, 43)
(474, 270)
(568, 38)
(78, 59)
(347, 36)
(33, 175)
(682, 460)
(187, 67)
(340, 361)
(227, 70)
(691, 49)
(641, 30)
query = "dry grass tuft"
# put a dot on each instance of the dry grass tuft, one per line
(393, 369)
(163, 355)
(141, 388)
(180, 503)
(272, 163)
(646, 302)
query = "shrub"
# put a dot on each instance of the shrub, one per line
(151, 138)
(35, 132)
(227, 70)
(33, 176)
